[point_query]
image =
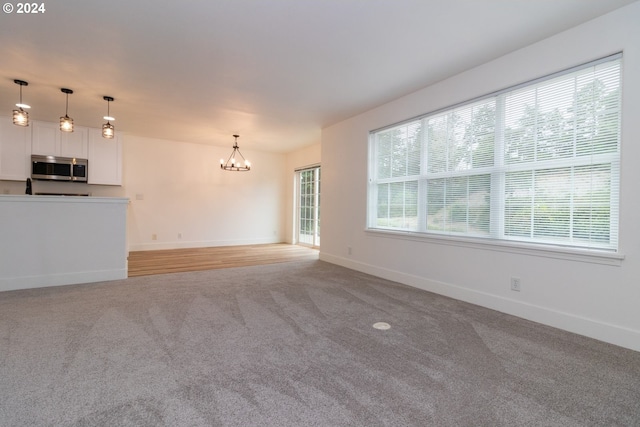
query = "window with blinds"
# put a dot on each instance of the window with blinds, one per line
(535, 163)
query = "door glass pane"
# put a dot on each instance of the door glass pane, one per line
(308, 208)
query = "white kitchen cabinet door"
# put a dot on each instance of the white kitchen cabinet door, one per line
(15, 151)
(48, 140)
(45, 139)
(75, 144)
(105, 159)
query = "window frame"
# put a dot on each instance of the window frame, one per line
(496, 240)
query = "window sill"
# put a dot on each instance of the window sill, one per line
(546, 251)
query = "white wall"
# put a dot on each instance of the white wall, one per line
(307, 156)
(598, 299)
(178, 188)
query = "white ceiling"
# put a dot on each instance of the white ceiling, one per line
(274, 71)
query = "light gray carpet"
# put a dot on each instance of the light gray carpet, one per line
(293, 345)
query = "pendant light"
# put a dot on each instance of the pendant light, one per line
(66, 122)
(21, 117)
(107, 128)
(235, 165)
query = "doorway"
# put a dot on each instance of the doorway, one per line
(308, 206)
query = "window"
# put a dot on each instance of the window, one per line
(308, 206)
(537, 163)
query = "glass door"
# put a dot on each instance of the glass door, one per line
(308, 206)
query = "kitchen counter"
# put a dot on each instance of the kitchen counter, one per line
(61, 240)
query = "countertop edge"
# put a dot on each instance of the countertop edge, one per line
(10, 198)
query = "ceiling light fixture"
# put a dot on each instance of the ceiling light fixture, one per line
(66, 122)
(21, 117)
(107, 128)
(232, 164)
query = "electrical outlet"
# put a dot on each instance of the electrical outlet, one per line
(154, 236)
(516, 285)
(349, 250)
(179, 235)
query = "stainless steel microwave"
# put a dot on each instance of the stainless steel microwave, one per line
(59, 168)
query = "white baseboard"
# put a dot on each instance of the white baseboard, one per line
(154, 246)
(613, 334)
(43, 281)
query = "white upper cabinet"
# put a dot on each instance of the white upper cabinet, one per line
(15, 151)
(75, 144)
(48, 140)
(45, 139)
(105, 159)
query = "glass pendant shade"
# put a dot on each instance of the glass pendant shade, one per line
(21, 117)
(108, 130)
(66, 124)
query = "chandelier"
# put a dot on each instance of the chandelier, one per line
(233, 164)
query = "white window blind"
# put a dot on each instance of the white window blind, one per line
(538, 163)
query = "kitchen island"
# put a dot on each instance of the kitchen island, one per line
(61, 240)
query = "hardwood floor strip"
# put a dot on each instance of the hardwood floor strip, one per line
(144, 263)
